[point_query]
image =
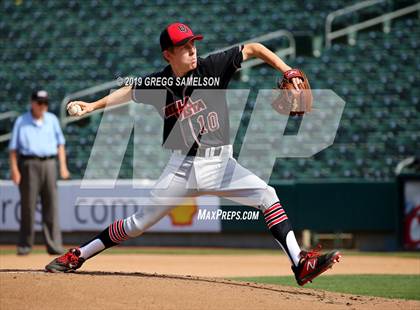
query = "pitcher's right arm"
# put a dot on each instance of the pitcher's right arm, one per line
(121, 95)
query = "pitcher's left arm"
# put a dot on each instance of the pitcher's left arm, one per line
(260, 51)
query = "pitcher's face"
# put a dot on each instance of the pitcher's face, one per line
(184, 56)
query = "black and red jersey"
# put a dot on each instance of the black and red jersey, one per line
(193, 107)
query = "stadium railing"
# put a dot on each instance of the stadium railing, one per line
(352, 29)
(3, 116)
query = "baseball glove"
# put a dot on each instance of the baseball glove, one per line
(289, 101)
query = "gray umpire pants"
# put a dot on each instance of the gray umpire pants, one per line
(39, 179)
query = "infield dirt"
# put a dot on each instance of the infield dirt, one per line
(138, 281)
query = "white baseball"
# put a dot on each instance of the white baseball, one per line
(74, 109)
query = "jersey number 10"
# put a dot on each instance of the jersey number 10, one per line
(212, 123)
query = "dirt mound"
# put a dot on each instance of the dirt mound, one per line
(35, 289)
(224, 266)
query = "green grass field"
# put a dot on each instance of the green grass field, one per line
(389, 286)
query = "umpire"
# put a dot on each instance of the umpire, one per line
(36, 141)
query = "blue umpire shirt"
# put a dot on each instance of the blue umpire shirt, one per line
(32, 138)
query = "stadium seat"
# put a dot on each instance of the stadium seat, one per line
(62, 53)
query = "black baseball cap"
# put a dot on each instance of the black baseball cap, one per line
(40, 96)
(177, 34)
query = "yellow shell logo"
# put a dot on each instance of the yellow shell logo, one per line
(182, 215)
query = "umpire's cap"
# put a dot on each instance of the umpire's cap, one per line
(40, 96)
(177, 34)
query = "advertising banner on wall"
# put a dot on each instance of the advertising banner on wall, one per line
(411, 214)
(93, 209)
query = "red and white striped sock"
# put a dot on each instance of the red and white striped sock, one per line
(279, 225)
(111, 236)
(275, 215)
(117, 232)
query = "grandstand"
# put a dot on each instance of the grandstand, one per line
(67, 46)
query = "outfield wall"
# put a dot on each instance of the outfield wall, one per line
(368, 210)
(334, 206)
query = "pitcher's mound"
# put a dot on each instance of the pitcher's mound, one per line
(35, 289)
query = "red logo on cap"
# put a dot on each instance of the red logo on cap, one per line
(179, 33)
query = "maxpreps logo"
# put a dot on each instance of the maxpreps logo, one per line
(183, 109)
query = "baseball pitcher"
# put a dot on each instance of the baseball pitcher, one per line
(188, 95)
